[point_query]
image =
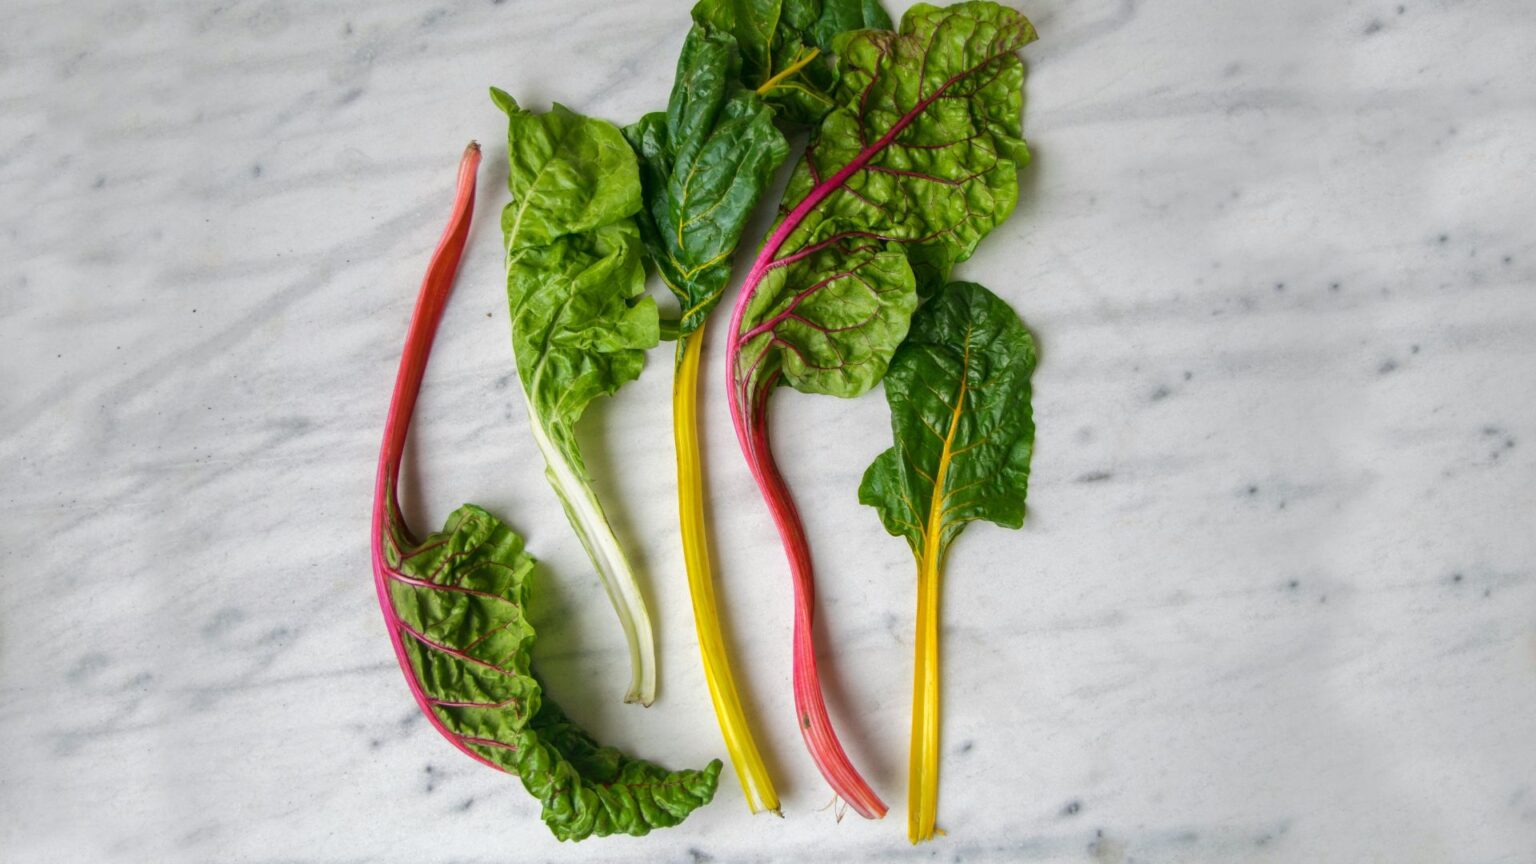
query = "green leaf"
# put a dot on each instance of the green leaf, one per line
(460, 599)
(959, 394)
(581, 322)
(917, 163)
(786, 46)
(704, 164)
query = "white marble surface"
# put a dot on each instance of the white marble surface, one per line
(1276, 600)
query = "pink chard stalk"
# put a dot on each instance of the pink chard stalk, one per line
(387, 518)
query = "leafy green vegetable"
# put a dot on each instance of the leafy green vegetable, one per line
(704, 163)
(903, 178)
(456, 606)
(959, 394)
(786, 46)
(461, 596)
(581, 322)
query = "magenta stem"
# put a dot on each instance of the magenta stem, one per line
(435, 288)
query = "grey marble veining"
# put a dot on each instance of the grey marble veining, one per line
(1275, 600)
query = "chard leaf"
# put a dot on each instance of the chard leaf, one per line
(704, 163)
(581, 322)
(460, 600)
(917, 163)
(786, 46)
(959, 394)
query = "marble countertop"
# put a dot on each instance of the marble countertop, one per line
(1275, 600)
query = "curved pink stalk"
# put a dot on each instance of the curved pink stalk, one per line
(387, 519)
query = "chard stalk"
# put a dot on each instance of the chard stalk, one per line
(387, 519)
(756, 784)
(585, 513)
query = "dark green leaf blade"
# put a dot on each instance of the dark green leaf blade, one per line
(786, 46)
(460, 599)
(959, 393)
(704, 164)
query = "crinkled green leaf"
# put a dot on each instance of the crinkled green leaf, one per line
(959, 394)
(581, 321)
(786, 46)
(461, 597)
(917, 163)
(704, 164)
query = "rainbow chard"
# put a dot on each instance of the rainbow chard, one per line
(456, 606)
(581, 322)
(959, 393)
(704, 163)
(901, 180)
(786, 47)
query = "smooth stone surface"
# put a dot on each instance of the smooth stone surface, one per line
(1273, 602)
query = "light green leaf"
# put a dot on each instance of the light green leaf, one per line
(959, 394)
(917, 163)
(581, 322)
(704, 164)
(460, 600)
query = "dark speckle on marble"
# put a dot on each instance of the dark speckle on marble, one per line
(1387, 367)
(966, 746)
(352, 95)
(1252, 490)
(1072, 808)
(1334, 287)
(431, 775)
(101, 180)
(1374, 27)
(222, 622)
(277, 635)
(1094, 477)
(1457, 577)
(1293, 584)
(88, 665)
(256, 170)
(1161, 393)
(466, 804)
(1443, 239)
(699, 856)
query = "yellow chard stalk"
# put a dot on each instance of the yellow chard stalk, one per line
(703, 166)
(739, 743)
